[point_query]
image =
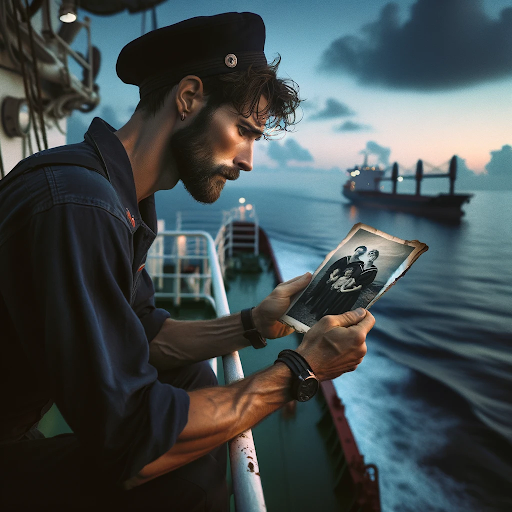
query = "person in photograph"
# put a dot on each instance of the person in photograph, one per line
(347, 298)
(339, 266)
(344, 282)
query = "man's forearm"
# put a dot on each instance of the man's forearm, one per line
(218, 414)
(183, 342)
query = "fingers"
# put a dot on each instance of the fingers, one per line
(367, 323)
(350, 318)
(360, 317)
(294, 285)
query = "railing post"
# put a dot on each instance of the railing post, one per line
(256, 237)
(230, 243)
(244, 463)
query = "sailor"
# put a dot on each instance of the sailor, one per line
(79, 324)
(347, 300)
(339, 265)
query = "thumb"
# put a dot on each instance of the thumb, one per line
(294, 285)
(351, 317)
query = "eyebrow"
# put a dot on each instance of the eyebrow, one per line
(251, 128)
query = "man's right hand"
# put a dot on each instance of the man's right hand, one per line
(337, 343)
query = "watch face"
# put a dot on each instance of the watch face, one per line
(307, 388)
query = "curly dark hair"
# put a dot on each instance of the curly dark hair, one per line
(243, 89)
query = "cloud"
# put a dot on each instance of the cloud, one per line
(333, 109)
(290, 150)
(498, 176)
(499, 169)
(308, 104)
(445, 44)
(382, 153)
(351, 126)
(500, 165)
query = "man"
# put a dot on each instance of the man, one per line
(339, 265)
(367, 274)
(77, 306)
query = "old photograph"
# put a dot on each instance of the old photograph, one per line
(357, 273)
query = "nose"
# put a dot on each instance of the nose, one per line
(243, 158)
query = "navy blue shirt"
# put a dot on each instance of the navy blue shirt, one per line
(77, 307)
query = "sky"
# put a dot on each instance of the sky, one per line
(399, 80)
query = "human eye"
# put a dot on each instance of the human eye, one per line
(242, 130)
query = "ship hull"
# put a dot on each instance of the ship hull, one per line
(442, 206)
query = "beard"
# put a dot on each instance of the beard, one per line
(203, 179)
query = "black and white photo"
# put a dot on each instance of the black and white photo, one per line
(358, 272)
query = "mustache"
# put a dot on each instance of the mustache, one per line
(230, 173)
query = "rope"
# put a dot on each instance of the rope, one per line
(2, 172)
(38, 81)
(153, 13)
(5, 35)
(436, 167)
(24, 74)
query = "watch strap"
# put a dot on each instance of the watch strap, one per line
(300, 369)
(250, 332)
(291, 363)
(299, 360)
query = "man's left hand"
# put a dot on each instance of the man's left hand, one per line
(266, 315)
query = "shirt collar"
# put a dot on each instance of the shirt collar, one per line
(120, 172)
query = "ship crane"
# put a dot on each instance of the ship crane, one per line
(419, 175)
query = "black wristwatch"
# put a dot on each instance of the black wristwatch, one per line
(305, 384)
(251, 333)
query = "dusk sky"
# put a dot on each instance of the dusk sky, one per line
(405, 80)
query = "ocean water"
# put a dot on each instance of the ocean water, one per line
(431, 404)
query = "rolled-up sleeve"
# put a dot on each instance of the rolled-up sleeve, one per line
(96, 344)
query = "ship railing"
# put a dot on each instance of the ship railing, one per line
(239, 231)
(247, 488)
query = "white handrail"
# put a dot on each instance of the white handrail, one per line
(244, 463)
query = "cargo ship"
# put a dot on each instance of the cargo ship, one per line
(363, 188)
(196, 275)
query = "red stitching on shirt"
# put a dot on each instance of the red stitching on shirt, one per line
(130, 217)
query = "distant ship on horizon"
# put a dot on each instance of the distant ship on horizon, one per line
(363, 188)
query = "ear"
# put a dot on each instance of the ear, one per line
(189, 95)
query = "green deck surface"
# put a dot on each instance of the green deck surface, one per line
(293, 457)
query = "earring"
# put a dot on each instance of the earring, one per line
(183, 116)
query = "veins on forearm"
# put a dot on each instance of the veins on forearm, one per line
(183, 342)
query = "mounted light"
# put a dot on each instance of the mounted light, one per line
(400, 178)
(15, 116)
(67, 11)
(241, 200)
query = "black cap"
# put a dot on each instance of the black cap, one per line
(202, 46)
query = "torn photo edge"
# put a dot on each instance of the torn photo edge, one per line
(418, 249)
